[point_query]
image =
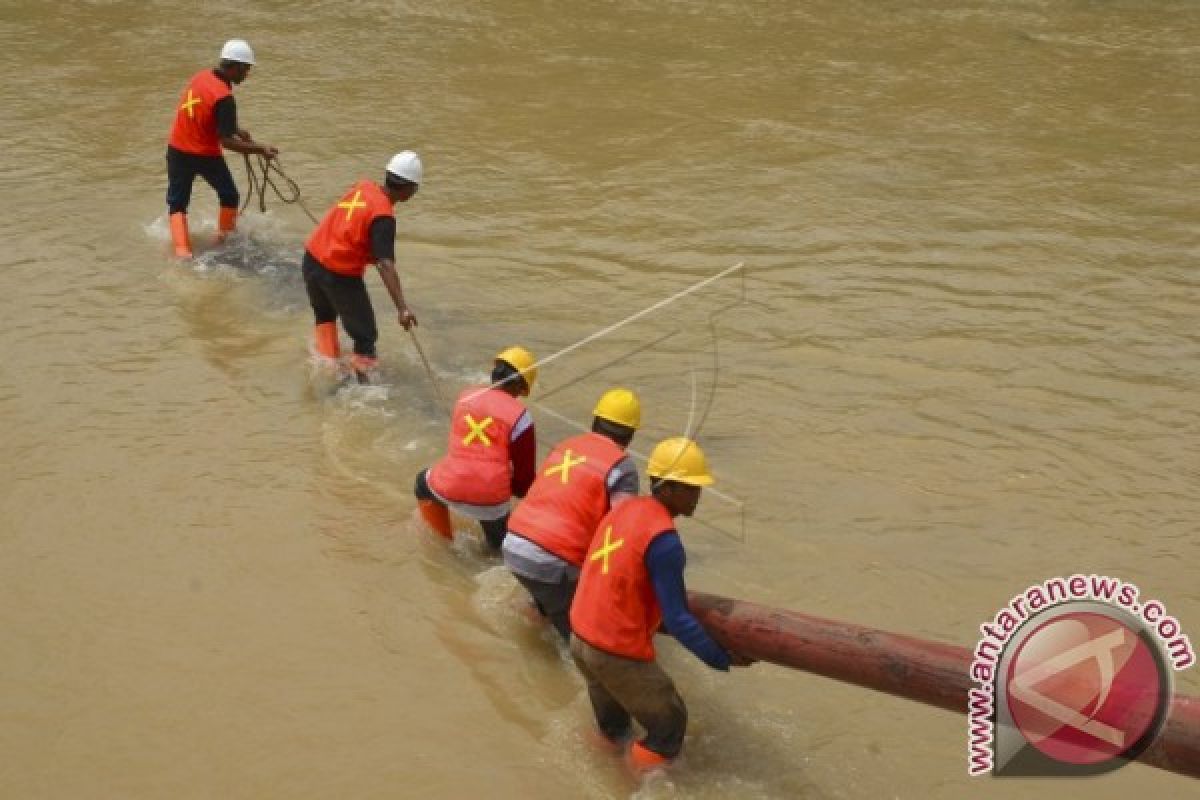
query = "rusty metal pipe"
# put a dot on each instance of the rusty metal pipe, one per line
(904, 666)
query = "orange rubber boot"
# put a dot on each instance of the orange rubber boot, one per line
(437, 516)
(642, 759)
(363, 363)
(179, 235)
(226, 223)
(362, 366)
(327, 339)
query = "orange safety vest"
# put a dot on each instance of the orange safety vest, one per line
(342, 242)
(615, 608)
(568, 497)
(476, 469)
(195, 127)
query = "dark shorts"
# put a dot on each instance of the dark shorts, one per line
(334, 297)
(182, 169)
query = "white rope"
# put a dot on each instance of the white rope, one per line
(631, 318)
(687, 428)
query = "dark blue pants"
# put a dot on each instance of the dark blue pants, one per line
(182, 169)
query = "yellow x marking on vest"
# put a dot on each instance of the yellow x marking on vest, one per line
(478, 431)
(352, 204)
(191, 101)
(607, 549)
(564, 469)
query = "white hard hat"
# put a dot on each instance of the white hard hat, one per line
(406, 165)
(237, 50)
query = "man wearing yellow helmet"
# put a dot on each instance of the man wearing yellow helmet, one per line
(490, 454)
(632, 582)
(583, 478)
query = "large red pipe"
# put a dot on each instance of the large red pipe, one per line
(905, 666)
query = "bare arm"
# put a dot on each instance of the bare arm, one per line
(387, 271)
(236, 138)
(244, 144)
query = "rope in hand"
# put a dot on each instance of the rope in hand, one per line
(257, 183)
(437, 389)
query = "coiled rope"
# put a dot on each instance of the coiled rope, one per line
(269, 170)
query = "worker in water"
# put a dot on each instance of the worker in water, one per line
(491, 453)
(358, 230)
(582, 479)
(632, 582)
(205, 121)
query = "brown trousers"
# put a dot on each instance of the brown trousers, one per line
(621, 688)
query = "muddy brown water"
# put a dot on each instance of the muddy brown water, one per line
(964, 359)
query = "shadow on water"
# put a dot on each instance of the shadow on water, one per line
(275, 267)
(242, 301)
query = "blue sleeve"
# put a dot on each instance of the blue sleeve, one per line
(665, 561)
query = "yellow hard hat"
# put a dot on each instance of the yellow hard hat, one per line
(620, 406)
(679, 459)
(522, 361)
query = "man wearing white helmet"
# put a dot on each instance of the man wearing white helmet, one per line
(206, 121)
(359, 230)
